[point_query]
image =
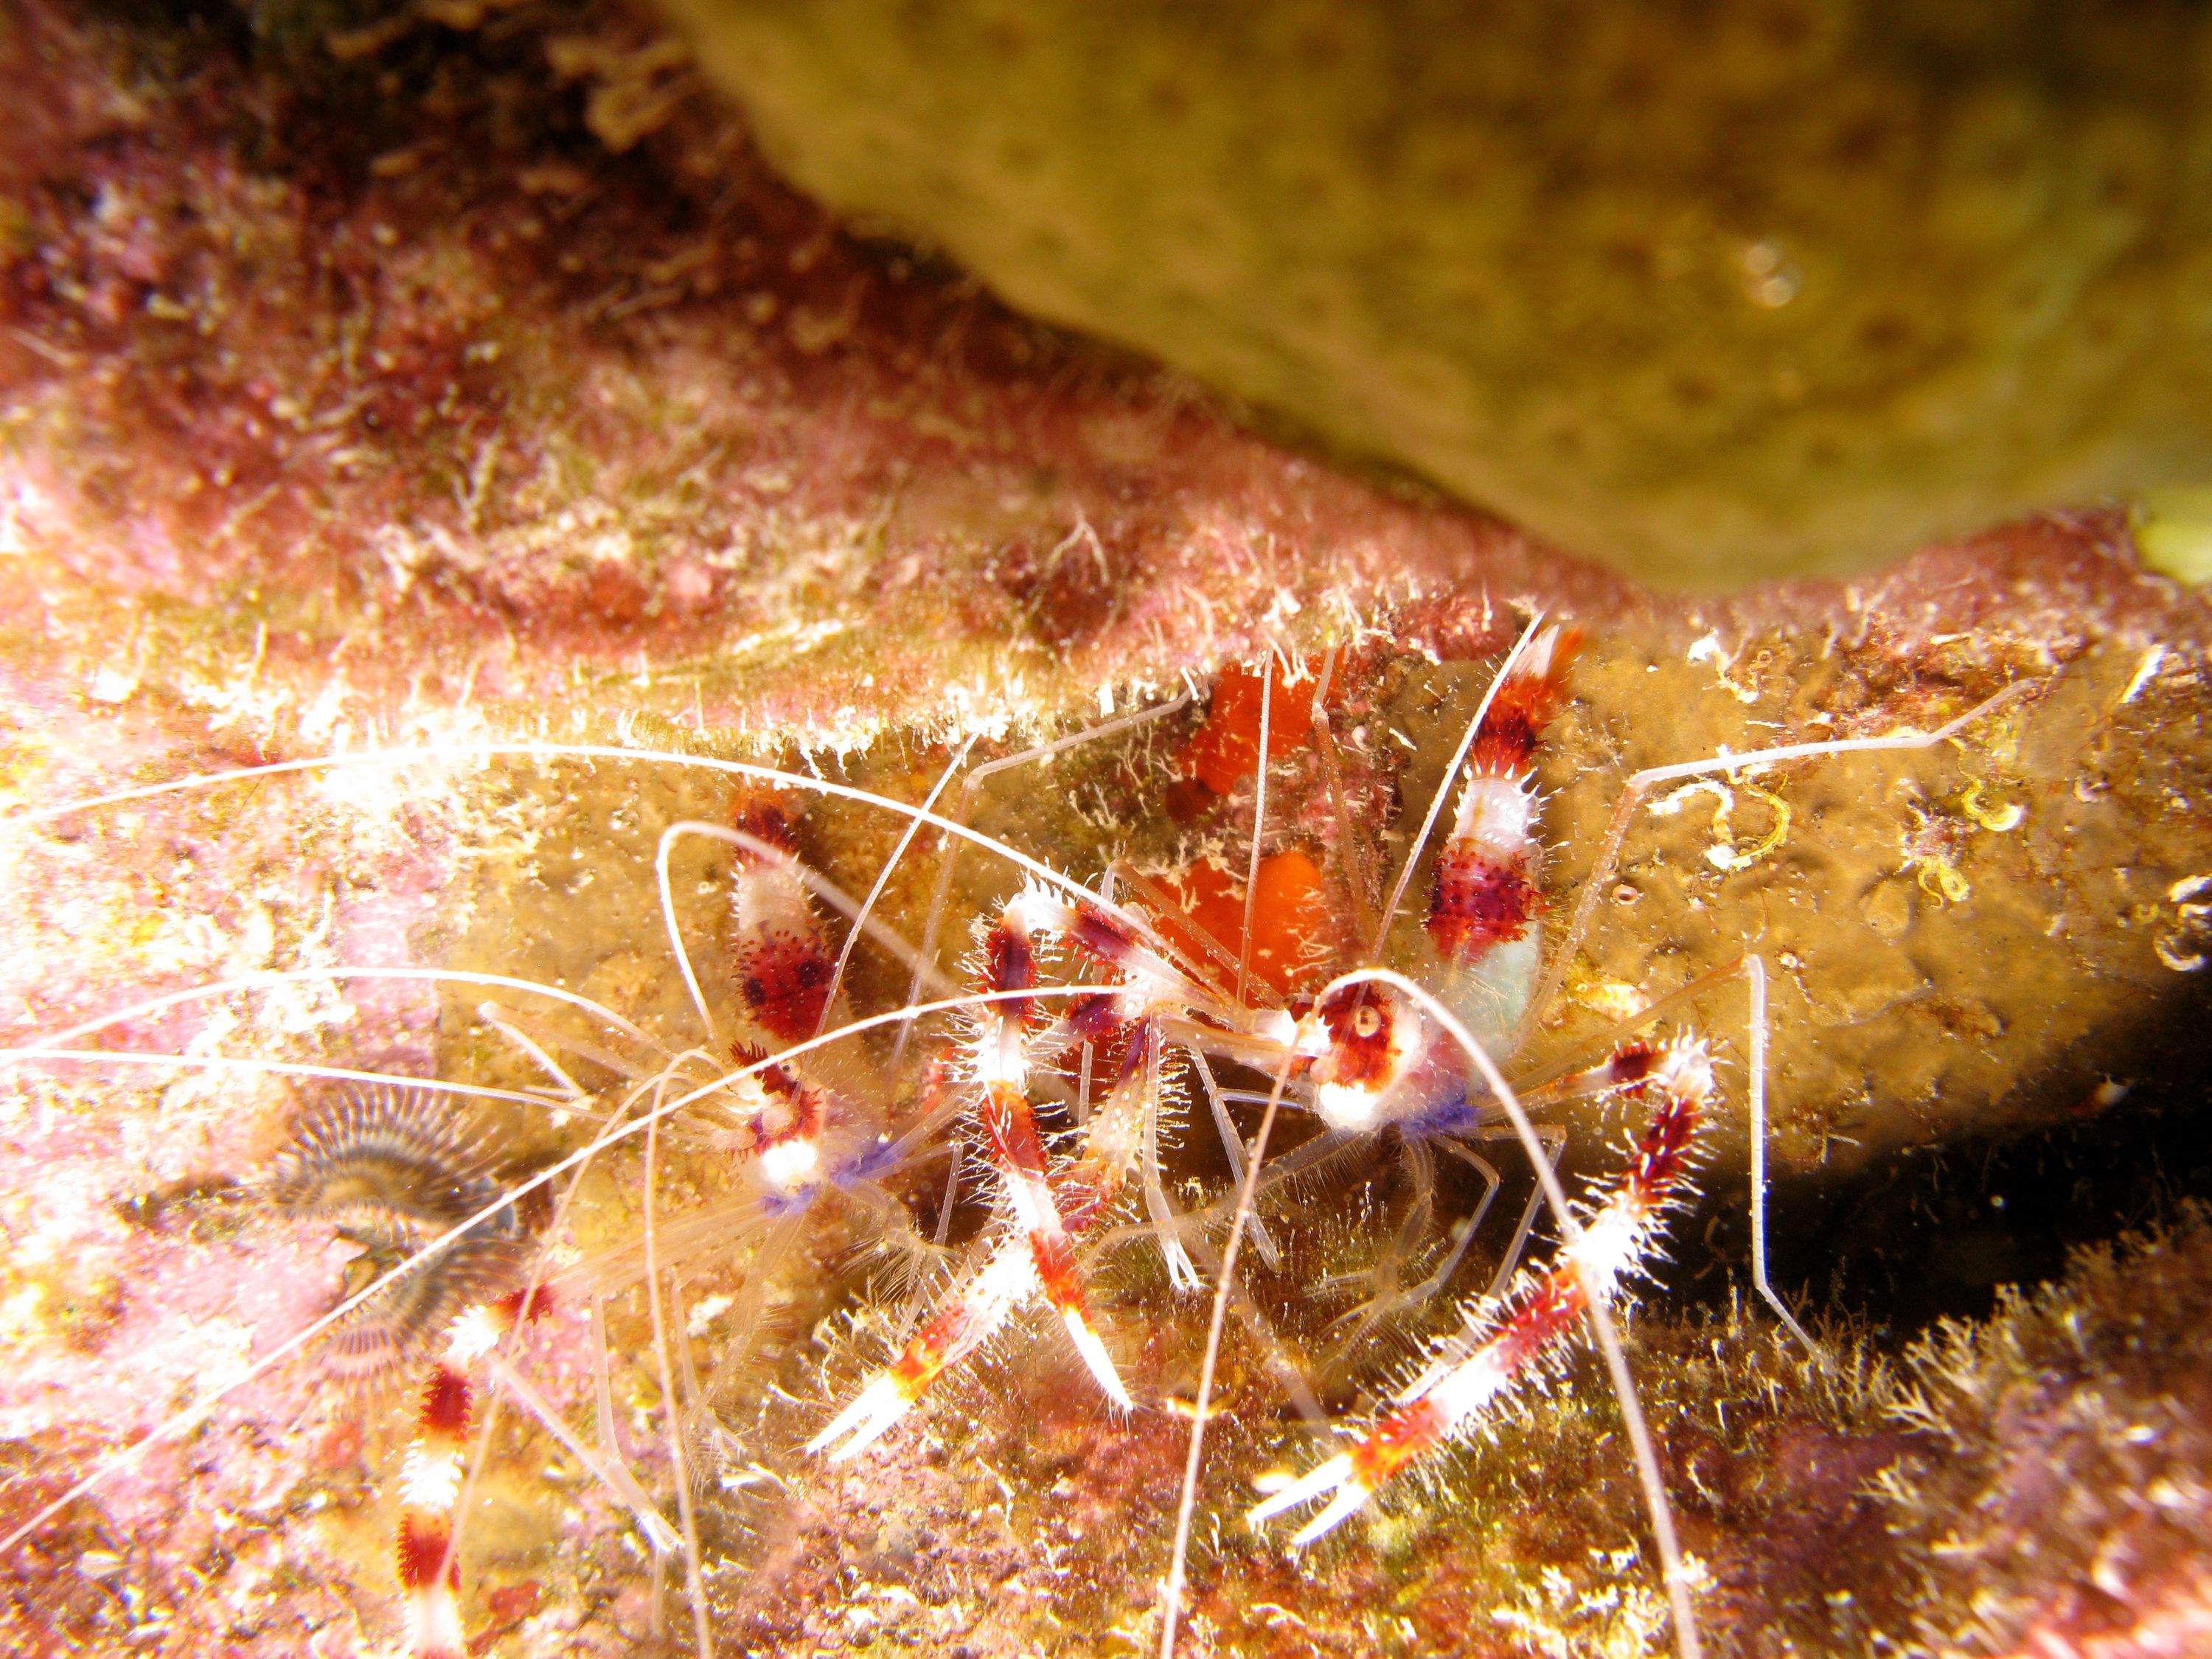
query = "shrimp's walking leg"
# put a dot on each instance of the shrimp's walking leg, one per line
(1035, 1255)
(1554, 1139)
(1232, 1145)
(1000, 1063)
(1464, 1229)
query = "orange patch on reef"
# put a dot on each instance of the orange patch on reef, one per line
(1292, 938)
(513, 1603)
(339, 1447)
(1227, 746)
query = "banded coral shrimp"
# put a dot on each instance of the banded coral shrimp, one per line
(626, 1220)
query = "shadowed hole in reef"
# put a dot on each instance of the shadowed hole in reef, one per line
(1933, 1231)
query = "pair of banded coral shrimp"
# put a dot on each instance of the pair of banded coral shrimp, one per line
(1170, 983)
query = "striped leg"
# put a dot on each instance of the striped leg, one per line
(1485, 881)
(1536, 1316)
(1050, 1209)
(999, 1061)
(1006, 1280)
(784, 966)
(432, 1476)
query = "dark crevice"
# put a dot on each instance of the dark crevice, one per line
(1932, 1233)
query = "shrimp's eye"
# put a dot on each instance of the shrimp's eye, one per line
(1367, 1021)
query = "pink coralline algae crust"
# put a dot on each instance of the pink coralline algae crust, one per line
(182, 1284)
(417, 393)
(410, 371)
(424, 378)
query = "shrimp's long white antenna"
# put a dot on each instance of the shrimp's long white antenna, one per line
(1187, 1501)
(1755, 968)
(265, 977)
(1348, 834)
(615, 752)
(694, 1576)
(1444, 783)
(282, 1068)
(1259, 824)
(191, 1417)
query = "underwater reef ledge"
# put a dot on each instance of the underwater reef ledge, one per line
(464, 373)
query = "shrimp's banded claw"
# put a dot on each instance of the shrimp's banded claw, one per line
(1007, 1280)
(1350, 1478)
(1092, 1347)
(954, 1332)
(951, 1335)
(1049, 1203)
(1542, 1310)
(1487, 892)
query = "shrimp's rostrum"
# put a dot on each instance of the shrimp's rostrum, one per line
(751, 1113)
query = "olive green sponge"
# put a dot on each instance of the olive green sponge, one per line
(1713, 290)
